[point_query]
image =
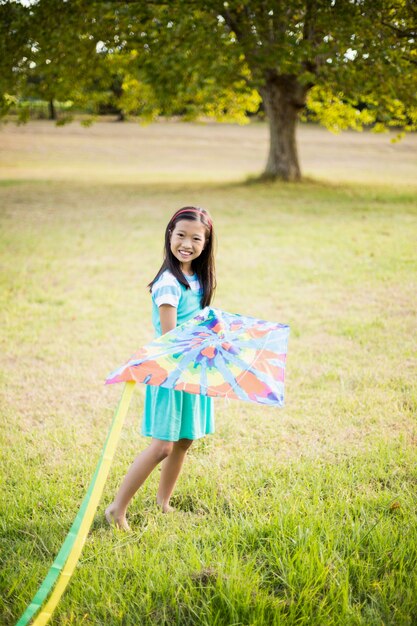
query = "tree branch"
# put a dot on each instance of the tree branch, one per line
(232, 21)
(400, 31)
(308, 29)
(410, 59)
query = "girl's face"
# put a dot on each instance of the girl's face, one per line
(187, 242)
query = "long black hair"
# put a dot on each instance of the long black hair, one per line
(203, 265)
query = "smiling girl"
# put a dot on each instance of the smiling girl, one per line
(184, 284)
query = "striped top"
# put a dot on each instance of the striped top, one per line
(167, 290)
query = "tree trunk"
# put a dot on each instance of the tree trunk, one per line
(283, 98)
(52, 109)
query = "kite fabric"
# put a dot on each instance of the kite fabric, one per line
(215, 354)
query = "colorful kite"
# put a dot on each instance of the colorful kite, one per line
(215, 354)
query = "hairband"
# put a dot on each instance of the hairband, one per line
(193, 210)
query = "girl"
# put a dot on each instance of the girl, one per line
(184, 284)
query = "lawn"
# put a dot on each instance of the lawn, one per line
(301, 515)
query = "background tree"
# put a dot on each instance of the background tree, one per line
(352, 63)
(60, 46)
(56, 53)
(346, 63)
(14, 19)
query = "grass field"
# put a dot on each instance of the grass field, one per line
(304, 515)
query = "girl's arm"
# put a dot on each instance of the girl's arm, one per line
(168, 317)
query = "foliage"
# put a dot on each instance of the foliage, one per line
(372, 81)
(183, 68)
(180, 58)
(14, 27)
(351, 55)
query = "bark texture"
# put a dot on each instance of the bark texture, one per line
(283, 98)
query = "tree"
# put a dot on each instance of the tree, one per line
(13, 42)
(352, 62)
(347, 63)
(49, 53)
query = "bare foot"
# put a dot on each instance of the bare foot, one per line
(165, 507)
(114, 518)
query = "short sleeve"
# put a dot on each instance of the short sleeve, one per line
(166, 290)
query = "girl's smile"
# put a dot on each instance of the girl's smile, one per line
(187, 242)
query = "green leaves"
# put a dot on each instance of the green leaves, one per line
(357, 59)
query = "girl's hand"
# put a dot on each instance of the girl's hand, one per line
(168, 317)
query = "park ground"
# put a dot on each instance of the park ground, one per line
(301, 515)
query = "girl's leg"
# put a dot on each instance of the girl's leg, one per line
(171, 468)
(138, 472)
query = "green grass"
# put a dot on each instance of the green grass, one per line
(304, 515)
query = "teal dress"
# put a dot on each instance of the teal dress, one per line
(168, 414)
